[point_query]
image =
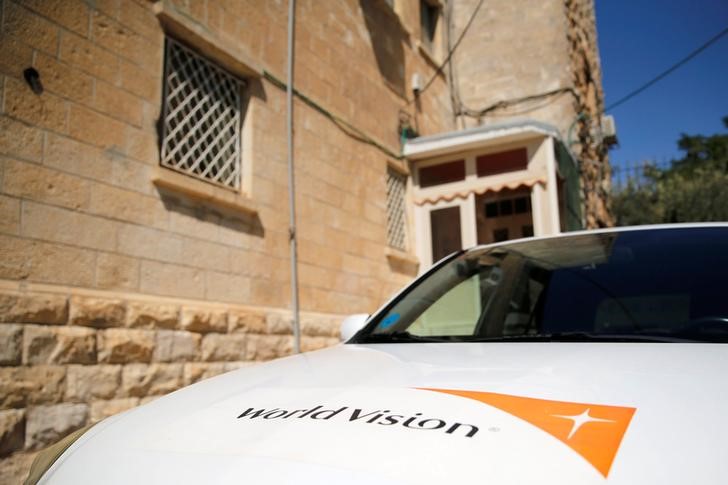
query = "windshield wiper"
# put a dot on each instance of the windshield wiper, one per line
(406, 337)
(402, 337)
(583, 337)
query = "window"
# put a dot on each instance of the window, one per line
(491, 209)
(659, 285)
(443, 173)
(201, 118)
(502, 162)
(396, 211)
(506, 207)
(503, 216)
(429, 14)
(522, 205)
(455, 313)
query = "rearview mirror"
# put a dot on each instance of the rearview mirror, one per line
(352, 324)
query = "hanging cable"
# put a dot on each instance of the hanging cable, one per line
(439, 69)
(455, 101)
(555, 93)
(668, 71)
(342, 124)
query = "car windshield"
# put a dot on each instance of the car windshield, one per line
(639, 285)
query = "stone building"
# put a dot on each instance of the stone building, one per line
(144, 234)
(528, 156)
(537, 61)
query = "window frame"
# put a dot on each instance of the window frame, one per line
(239, 106)
(428, 33)
(394, 173)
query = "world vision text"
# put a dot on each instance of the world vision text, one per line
(381, 417)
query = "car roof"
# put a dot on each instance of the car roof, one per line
(605, 230)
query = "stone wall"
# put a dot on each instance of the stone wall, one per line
(587, 80)
(78, 202)
(71, 358)
(517, 49)
(163, 288)
(514, 49)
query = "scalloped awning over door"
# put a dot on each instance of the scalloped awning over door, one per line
(463, 194)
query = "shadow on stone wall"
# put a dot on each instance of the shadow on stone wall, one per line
(387, 38)
(211, 213)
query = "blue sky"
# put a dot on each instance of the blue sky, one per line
(638, 39)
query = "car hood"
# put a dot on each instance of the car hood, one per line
(500, 413)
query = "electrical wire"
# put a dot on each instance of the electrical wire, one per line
(530, 109)
(556, 93)
(439, 69)
(455, 101)
(668, 71)
(340, 123)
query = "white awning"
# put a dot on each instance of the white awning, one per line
(463, 194)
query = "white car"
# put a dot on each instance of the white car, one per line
(589, 358)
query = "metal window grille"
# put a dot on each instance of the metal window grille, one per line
(396, 211)
(201, 113)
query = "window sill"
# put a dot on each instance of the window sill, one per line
(402, 261)
(399, 166)
(428, 55)
(202, 191)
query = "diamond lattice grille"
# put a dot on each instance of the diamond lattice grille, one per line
(396, 214)
(201, 134)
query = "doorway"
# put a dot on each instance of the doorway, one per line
(503, 216)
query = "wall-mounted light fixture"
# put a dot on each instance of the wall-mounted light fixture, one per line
(32, 77)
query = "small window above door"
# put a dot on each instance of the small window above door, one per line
(442, 173)
(501, 162)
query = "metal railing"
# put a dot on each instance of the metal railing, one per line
(635, 173)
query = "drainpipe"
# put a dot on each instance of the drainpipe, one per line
(291, 187)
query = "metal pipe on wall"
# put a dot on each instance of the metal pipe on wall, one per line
(291, 186)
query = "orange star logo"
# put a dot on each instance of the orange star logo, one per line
(594, 431)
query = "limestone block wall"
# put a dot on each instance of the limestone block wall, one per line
(117, 290)
(587, 80)
(517, 49)
(78, 202)
(69, 359)
(513, 49)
